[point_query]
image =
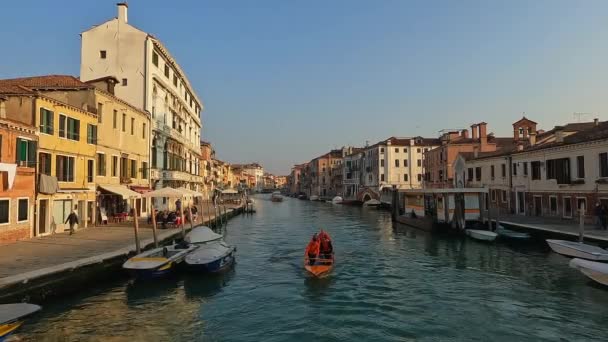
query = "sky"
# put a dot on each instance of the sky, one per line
(285, 81)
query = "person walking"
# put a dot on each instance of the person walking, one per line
(72, 220)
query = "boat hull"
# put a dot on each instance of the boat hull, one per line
(217, 266)
(481, 235)
(597, 271)
(152, 273)
(512, 235)
(319, 271)
(8, 329)
(421, 223)
(578, 250)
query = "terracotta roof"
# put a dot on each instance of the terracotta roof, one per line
(10, 89)
(47, 81)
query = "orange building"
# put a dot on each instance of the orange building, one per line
(18, 148)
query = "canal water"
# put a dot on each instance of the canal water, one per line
(389, 284)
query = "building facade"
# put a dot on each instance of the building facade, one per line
(151, 80)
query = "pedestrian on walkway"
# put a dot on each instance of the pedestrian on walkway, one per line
(597, 212)
(72, 220)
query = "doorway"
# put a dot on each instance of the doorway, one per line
(538, 205)
(521, 203)
(43, 209)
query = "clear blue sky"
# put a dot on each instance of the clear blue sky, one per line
(284, 81)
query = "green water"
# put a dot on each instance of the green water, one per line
(389, 284)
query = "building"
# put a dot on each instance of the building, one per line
(294, 180)
(257, 171)
(353, 174)
(150, 79)
(18, 149)
(439, 162)
(321, 173)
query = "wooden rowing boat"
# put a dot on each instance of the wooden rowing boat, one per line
(321, 266)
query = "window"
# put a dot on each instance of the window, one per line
(553, 205)
(101, 164)
(174, 79)
(115, 119)
(470, 174)
(99, 111)
(22, 210)
(62, 125)
(525, 168)
(567, 207)
(102, 54)
(580, 167)
(419, 162)
(503, 169)
(124, 122)
(604, 164)
(124, 81)
(382, 162)
(91, 134)
(144, 170)
(114, 166)
(521, 131)
(26, 152)
(581, 203)
(558, 169)
(478, 173)
(404, 162)
(132, 126)
(420, 177)
(405, 178)
(396, 162)
(535, 165)
(4, 209)
(418, 150)
(64, 168)
(493, 195)
(381, 149)
(492, 171)
(123, 167)
(44, 163)
(46, 121)
(396, 149)
(382, 177)
(133, 169)
(143, 130)
(503, 196)
(166, 71)
(90, 170)
(155, 58)
(514, 169)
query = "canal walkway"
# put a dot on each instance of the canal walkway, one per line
(25, 261)
(558, 226)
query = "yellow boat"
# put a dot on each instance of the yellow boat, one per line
(12, 316)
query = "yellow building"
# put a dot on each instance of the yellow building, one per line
(67, 152)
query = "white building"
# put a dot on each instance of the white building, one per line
(150, 79)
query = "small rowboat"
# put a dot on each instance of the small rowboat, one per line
(12, 315)
(481, 235)
(158, 262)
(321, 266)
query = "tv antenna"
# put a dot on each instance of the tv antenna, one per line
(580, 116)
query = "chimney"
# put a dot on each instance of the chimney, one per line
(596, 122)
(559, 134)
(532, 138)
(474, 131)
(475, 151)
(465, 133)
(483, 135)
(122, 12)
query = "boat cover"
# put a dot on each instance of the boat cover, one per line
(209, 253)
(12, 312)
(599, 267)
(202, 235)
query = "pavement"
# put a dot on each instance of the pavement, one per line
(555, 225)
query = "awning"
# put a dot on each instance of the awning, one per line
(165, 192)
(189, 192)
(47, 184)
(141, 189)
(229, 191)
(121, 190)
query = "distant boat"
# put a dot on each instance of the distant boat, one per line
(578, 250)
(597, 271)
(276, 197)
(337, 200)
(481, 235)
(314, 198)
(321, 266)
(12, 316)
(213, 256)
(372, 203)
(511, 234)
(158, 262)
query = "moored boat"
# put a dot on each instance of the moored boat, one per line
(481, 235)
(158, 262)
(504, 233)
(321, 265)
(337, 200)
(213, 254)
(598, 271)
(12, 316)
(314, 198)
(276, 197)
(578, 250)
(372, 203)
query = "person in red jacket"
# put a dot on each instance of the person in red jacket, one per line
(313, 249)
(326, 248)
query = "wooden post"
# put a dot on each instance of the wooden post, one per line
(489, 212)
(208, 213)
(394, 203)
(136, 230)
(581, 223)
(181, 214)
(154, 226)
(190, 213)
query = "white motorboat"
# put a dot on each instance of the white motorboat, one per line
(597, 271)
(276, 197)
(337, 200)
(578, 250)
(372, 203)
(511, 234)
(481, 235)
(314, 198)
(214, 255)
(158, 262)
